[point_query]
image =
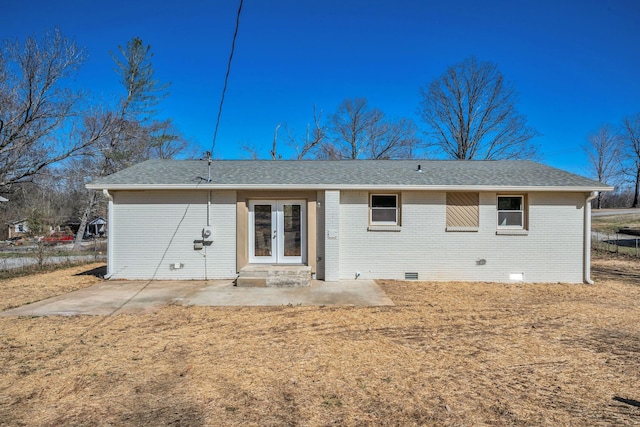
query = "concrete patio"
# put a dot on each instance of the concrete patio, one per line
(147, 296)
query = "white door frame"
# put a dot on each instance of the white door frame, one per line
(277, 234)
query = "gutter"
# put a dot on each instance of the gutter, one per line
(373, 186)
(111, 227)
(587, 237)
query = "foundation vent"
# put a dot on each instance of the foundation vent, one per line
(410, 276)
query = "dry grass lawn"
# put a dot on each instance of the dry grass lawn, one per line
(446, 354)
(612, 223)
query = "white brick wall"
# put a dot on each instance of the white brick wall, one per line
(332, 235)
(157, 228)
(551, 252)
(152, 229)
(320, 235)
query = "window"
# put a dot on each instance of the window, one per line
(462, 211)
(384, 209)
(511, 212)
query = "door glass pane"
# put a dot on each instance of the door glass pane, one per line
(262, 230)
(292, 230)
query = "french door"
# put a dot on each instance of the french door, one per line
(277, 231)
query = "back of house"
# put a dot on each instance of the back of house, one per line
(496, 221)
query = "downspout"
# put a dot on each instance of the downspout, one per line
(587, 237)
(110, 228)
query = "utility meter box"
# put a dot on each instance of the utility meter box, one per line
(207, 233)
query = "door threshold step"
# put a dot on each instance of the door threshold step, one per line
(279, 276)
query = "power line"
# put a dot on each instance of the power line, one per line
(226, 78)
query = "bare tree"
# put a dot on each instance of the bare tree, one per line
(274, 149)
(249, 151)
(348, 127)
(313, 138)
(358, 131)
(631, 154)
(470, 112)
(134, 136)
(389, 140)
(36, 106)
(603, 151)
(328, 151)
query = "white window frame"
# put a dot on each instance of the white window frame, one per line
(521, 211)
(371, 209)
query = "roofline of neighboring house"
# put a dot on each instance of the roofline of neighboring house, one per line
(17, 221)
(479, 188)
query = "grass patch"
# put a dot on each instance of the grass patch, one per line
(611, 224)
(49, 253)
(29, 270)
(446, 354)
(29, 285)
(6, 255)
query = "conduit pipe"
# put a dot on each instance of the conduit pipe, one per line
(209, 208)
(587, 237)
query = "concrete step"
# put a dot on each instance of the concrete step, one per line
(274, 276)
(251, 282)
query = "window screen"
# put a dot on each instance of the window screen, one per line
(510, 212)
(384, 209)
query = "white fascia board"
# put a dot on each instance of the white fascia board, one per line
(479, 188)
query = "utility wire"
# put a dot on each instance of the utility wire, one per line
(226, 78)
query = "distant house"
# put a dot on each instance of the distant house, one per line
(17, 228)
(97, 227)
(499, 221)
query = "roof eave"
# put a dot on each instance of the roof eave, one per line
(479, 188)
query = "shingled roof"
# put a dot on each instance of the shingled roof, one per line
(348, 174)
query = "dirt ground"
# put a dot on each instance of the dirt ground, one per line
(446, 354)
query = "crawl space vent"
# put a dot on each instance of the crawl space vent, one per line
(410, 276)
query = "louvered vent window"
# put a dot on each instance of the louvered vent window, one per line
(463, 211)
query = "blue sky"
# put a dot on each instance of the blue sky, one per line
(575, 64)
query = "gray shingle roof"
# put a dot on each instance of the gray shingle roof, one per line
(317, 174)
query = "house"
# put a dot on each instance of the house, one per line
(19, 228)
(497, 221)
(97, 227)
(2, 199)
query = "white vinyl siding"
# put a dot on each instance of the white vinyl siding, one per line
(154, 230)
(424, 246)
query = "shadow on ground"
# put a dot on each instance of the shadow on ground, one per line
(96, 272)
